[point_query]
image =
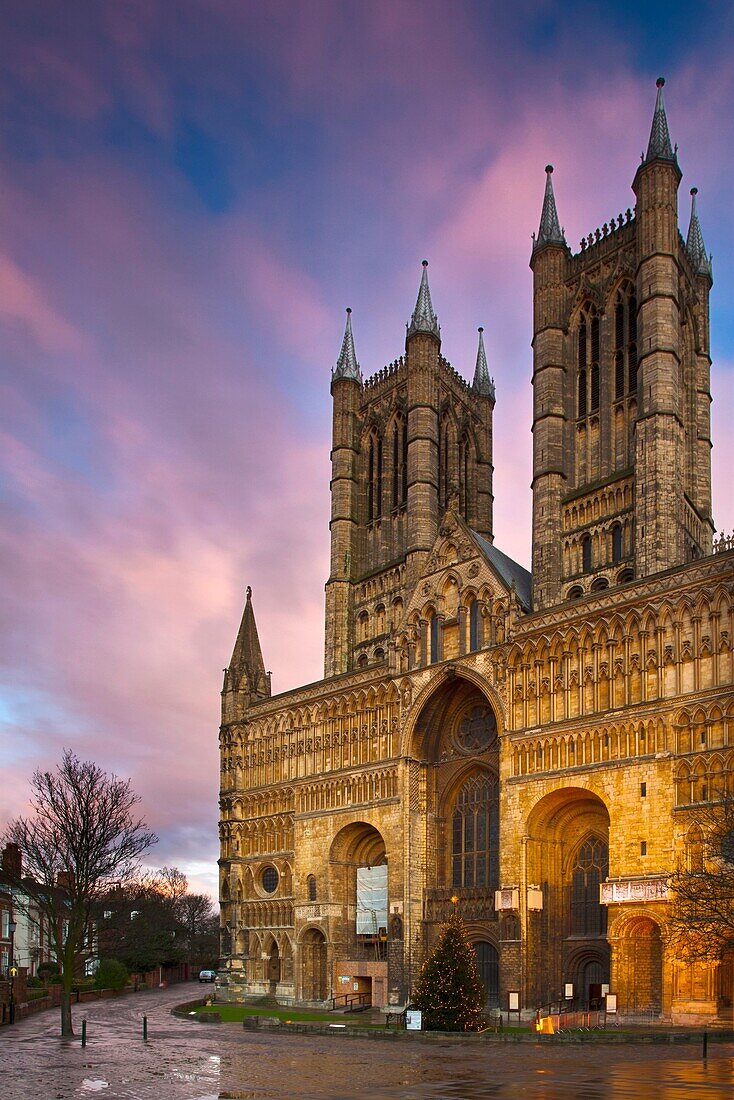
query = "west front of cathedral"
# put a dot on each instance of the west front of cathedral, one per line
(531, 748)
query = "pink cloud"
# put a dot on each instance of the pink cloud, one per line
(23, 302)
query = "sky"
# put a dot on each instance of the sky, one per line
(191, 193)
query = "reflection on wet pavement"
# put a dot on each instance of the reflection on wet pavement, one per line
(185, 1060)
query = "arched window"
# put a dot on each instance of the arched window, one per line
(600, 584)
(588, 362)
(619, 348)
(475, 833)
(311, 887)
(594, 403)
(434, 638)
(632, 343)
(379, 655)
(474, 613)
(586, 554)
(576, 592)
(374, 478)
(617, 542)
(465, 472)
(582, 357)
(590, 868)
(399, 462)
(625, 343)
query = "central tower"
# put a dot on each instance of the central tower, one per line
(405, 443)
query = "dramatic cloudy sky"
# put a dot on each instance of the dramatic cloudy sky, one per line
(190, 194)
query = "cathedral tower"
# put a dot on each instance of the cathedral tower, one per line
(621, 426)
(405, 443)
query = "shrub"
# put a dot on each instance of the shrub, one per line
(50, 971)
(111, 974)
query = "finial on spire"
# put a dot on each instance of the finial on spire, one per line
(550, 231)
(659, 146)
(347, 365)
(424, 319)
(694, 241)
(482, 384)
(247, 663)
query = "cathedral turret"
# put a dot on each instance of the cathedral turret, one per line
(482, 384)
(660, 435)
(422, 345)
(346, 389)
(245, 680)
(548, 263)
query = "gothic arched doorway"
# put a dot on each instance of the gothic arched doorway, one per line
(639, 968)
(314, 983)
(274, 966)
(568, 858)
(488, 964)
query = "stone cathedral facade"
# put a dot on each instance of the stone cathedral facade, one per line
(529, 747)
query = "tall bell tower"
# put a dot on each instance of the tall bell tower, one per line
(621, 424)
(405, 442)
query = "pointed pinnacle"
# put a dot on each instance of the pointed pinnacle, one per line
(694, 241)
(424, 319)
(482, 383)
(347, 365)
(550, 231)
(247, 656)
(659, 146)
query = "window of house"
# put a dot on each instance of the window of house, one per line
(311, 887)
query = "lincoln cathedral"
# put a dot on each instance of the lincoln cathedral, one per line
(531, 747)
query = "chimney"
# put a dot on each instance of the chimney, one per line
(12, 862)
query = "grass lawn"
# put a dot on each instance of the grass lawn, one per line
(233, 1013)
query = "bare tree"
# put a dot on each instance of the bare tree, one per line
(81, 836)
(702, 912)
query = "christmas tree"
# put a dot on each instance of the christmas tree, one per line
(449, 990)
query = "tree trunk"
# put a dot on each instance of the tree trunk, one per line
(67, 1030)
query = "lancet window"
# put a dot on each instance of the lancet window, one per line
(590, 868)
(475, 833)
(588, 362)
(625, 343)
(374, 478)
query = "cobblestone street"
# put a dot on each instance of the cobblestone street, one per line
(185, 1060)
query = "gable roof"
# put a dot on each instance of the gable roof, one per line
(510, 571)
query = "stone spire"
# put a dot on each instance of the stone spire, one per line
(347, 365)
(550, 231)
(247, 659)
(659, 147)
(483, 384)
(424, 319)
(694, 241)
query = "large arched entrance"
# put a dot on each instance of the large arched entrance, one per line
(314, 977)
(568, 858)
(488, 964)
(638, 968)
(359, 884)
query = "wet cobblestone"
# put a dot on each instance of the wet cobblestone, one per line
(185, 1060)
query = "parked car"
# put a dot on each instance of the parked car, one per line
(207, 975)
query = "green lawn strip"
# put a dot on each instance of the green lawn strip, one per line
(233, 1013)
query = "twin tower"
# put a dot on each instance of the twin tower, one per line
(621, 424)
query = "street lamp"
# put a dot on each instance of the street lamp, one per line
(12, 925)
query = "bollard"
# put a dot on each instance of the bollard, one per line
(145, 1028)
(84, 1033)
(705, 1044)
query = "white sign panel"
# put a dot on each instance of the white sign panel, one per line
(413, 1019)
